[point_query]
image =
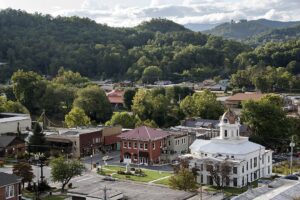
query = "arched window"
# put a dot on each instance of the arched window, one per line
(225, 133)
(225, 120)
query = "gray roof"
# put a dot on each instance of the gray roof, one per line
(5, 140)
(7, 179)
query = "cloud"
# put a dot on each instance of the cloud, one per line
(128, 13)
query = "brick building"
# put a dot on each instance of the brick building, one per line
(10, 187)
(142, 145)
(84, 141)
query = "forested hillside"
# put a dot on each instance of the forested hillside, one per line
(157, 49)
(44, 44)
(243, 30)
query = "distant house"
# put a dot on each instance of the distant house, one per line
(235, 101)
(11, 145)
(10, 187)
(115, 98)
(142, 145)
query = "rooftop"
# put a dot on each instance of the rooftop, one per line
(5, 140)
(144, 133)
(245, 96)
(115, 96)
(8, 117)
(7, 179)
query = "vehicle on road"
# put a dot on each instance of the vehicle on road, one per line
(106, 158)
(108, 178)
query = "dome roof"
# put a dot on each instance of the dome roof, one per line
(230, 116)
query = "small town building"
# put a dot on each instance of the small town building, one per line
(115, 97)
(84, 141)
(177, 144)
(142, 145)
(10, 187)
(11, 145)
(14, 123)
(246, 161)
(235, 100)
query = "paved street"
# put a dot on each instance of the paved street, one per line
(97, 158)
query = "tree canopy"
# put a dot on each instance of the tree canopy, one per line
(77, 117)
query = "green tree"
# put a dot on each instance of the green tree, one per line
(204, 105)
(63, 171)
(77, 117)
(28, 88)
(23, 170)
(37, 140)
(184, 180)
(67, 77)
(128, 97)
(151, 74)
(268, 131)
(124, 119)
(11, 106)
(93, 100)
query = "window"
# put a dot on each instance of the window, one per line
(201, 167)
(201, 178)
(135, 145)
(209, 167)
(227, 181)
(141, 145)
(268, 169)
(161, 144)
(129, 144)
(124, 144)
(268, 159)
(225, 120)
(235, 170)
(251, 163)
(243, 169)
(235, 182)
(225, 133)
(182, 141)
(263, 159)
(247, 166)
(255, 162)
(232, 156)
(9, 191)
(243, 181)
(169, 143)
(146, 146)
(153, 145)
(237, 132)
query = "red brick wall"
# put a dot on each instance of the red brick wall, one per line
(86, 142)
(2, 193)
(154, 154)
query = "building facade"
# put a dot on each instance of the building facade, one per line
(10, 187)
(11, 145)
(245, 160)
(142, 145)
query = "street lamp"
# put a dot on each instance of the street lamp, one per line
(39, 157)
(91, 162)
(292, 145)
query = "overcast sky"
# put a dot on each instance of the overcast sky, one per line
(132, 12)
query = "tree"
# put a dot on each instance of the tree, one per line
(93, 100)
(37, 140)
(268, 131)
(204, 105)
(125, 119)
(183, 178)
(11, 106)
(67, 77)
(151, 74)
(77, 117)
(128, 97)
(28, 88)
(63, 171)
(23, 170)
(219, 172)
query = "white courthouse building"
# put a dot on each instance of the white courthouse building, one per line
(248, 161)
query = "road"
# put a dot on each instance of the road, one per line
(97, 159)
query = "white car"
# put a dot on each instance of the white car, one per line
(106, 158)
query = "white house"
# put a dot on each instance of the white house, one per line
(247, 161)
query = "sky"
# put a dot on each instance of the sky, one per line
(128, 13)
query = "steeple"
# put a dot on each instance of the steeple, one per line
(229, 125)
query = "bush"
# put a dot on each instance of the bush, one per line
(121, 172)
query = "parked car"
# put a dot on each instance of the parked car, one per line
(291, 177)
(108, 178)
(106, 158)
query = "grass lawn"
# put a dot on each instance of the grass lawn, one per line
(163, 182)
(54, 197)
(284, 167)
(150, 174)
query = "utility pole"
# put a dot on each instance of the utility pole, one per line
(105, 193)
(292, 145)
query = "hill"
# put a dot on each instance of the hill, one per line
(245, 29)
(44, 44)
